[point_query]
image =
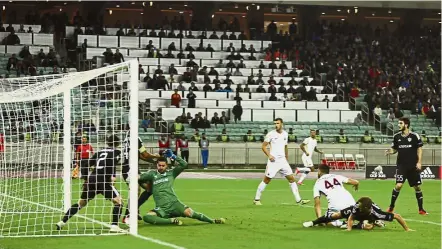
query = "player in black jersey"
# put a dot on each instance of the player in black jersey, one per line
(143, 155)
(100, 181)
(408, 145)
(364, 211)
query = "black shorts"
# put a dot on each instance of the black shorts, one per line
(411, 174)
(92, 187)
(84, 168)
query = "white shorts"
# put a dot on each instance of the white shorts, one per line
(279, 165)
(307, 161)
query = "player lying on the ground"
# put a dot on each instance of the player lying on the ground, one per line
(167, 205)
(277, 162)
(364, 210)
(100, 181)
(143, 155)
(311, 145)
(332, 187)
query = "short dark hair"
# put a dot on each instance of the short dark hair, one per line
(161, 159)
(324, 169)
(113, 141)
(406, 121)
(279, 119)
(365, 204)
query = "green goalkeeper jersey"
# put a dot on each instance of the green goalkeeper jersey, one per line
(162, 184)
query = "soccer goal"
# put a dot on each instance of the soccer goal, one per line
(42, 121)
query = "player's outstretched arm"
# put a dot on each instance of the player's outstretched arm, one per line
(354, 183)
(401, 221)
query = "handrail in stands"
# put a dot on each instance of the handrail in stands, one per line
(329, 86)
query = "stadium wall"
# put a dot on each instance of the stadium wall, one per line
(226, 155)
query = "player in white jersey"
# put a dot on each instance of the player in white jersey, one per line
(332, 187)
(277, 161)
(308, 146)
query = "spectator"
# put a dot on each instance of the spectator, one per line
(215, 119)
(424, 138)
(189, 35)
(342, 138)
(204, 147)
(145, 123)
(209, 48)
(438, 139)
(213, 35)
(264, 134)
(367, 138)
(10, 28)
(193, 87)
(319, 137)
(326, 99)
(391, 115)
(223, 137)
(207, 87)
(249, 137)
(176, 99)
(224, 119)
(188, 48)
(230, 48)
(163, 144)
(183, 144)
(200, 47)
(190, 55)
(237, 111)
(118, 57)
(196, 136)
(191, 99)
(12, 39)
(237, 72)
(241, 64)
(358, 120)
(12, 63)
(292, 137)
(378, 111)
(172, 47)
(30, 30)
(108, 56)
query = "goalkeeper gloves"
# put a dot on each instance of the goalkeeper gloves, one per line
(169, 154)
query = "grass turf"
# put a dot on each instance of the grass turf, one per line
(276, 224)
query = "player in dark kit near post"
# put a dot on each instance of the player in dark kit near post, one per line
(101, 181)
(408, 145)
(143, 155)
(167, 205)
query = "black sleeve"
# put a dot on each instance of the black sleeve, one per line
(419, 142)
(378, 214)
(394, 145)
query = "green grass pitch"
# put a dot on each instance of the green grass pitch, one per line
(276, 224)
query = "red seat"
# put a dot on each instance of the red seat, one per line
(331, 164)
(351, 165)
(340, 164)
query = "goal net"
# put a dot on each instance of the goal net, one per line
(42, 121)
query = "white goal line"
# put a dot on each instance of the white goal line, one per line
(156, 241)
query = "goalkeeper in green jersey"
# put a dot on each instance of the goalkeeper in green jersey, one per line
(168, 207)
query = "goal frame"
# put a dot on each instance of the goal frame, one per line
(65, 90)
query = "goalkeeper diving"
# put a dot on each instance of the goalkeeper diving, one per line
(167, 205)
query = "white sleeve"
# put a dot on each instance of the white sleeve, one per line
(316, 192)
(267, 138)
(342, 179)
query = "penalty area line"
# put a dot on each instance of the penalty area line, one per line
(413, 220)
(156, 241)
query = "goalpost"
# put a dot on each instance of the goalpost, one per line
(41, 120)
